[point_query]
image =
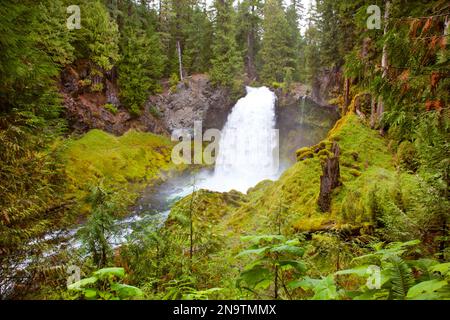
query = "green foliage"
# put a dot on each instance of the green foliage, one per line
(324, 289)
(104, 285)
(98, 38)
(275, 263)
(398, 276)
(31, 173)
(154, 111)
(226, 62)
(96, 234)
(198, 40)
(111, 108)
(54, 36)
(173, 82)
(183, 289)
(407, 156)
(142, 63)
(288, 78)
(276, 50)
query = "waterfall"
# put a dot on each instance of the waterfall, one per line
(248, 149)
(302, 109)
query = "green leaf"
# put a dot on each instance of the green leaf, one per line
(297, 265)
(442, 268)
(325, 289)
(83, 282)
(360, 271)
(126, 291)
(267, 238)
(258, 251)
(89, 293)
(254, 276)
(305, 283)
(425, 287)
(373, 295)
(107, 272)
(200, 295)
(284, 248)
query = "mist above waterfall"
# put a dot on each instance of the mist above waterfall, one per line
(248, 150)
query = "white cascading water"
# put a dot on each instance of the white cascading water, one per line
(248, 149)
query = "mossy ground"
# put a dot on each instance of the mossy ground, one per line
(124, 164)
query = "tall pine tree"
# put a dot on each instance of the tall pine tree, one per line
(276, 52)
(226, 62)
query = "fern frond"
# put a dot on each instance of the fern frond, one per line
(401, 278)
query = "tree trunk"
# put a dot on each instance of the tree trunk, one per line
(384, 62)
(346, 95)
(251, 69)
(180, 60)
(330, 178)
(373, 110)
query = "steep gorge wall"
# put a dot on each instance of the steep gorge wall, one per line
(195, 99)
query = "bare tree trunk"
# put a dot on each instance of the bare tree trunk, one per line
(275, 293)
(330, 178)
(373, 110)
(346, 95)
(384, 62)
(180, 60)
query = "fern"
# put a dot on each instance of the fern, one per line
(401, 278)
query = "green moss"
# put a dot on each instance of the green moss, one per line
(123, 163)
(368, 162)
(304, 153)
(325, 153)
(111, 108)
(354, 172)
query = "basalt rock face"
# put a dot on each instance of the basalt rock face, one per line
(302, 123)
(327, 85)
(86, 109)
(195, 99)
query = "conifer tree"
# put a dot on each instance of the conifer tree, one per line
(276, 51)
(198, 39)
(226, 62)
(97, 41)
(249, 32)
(141, 65)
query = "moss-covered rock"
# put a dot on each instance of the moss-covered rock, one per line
(304, 153)
(124, 164)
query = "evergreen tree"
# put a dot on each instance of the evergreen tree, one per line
(31, 175)
(276, 52)
(97, 41)
(293, 13)
(226, 64)
(249, 32)
(141, 65)
(198, 40)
